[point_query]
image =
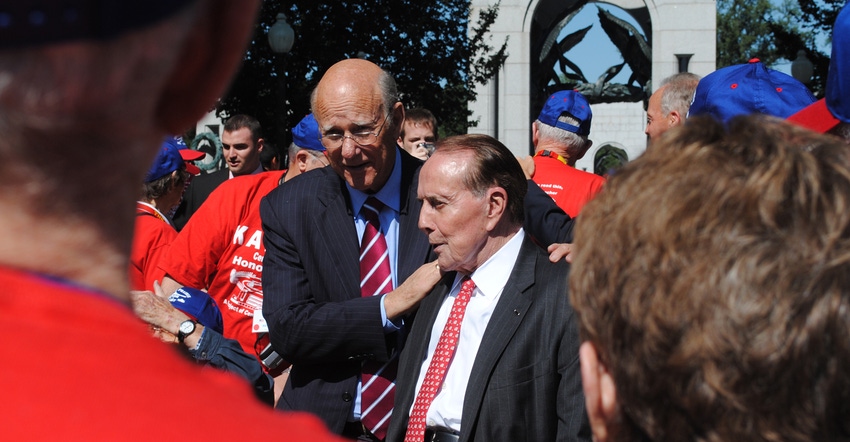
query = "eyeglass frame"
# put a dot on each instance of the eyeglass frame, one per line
(343, 136)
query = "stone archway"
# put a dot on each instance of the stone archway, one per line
(506, 106)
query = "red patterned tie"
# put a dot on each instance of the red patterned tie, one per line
(440, 362)
(378, 388)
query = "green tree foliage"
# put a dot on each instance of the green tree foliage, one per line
(426, 45)
(776, 29)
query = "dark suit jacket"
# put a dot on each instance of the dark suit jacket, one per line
(526, 381)
(311, 284)
(199, 189)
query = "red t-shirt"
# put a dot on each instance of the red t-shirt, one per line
(221, 249)
(569, 187)
(79, 365)
(151, 238)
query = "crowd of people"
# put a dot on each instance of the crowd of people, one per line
(389, 284)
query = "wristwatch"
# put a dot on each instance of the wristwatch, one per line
(187, 327)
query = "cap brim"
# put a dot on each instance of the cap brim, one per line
(191, 155)
(816, 117)
(191, 168)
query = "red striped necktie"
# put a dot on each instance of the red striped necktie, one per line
(378, 388)
(439, 365)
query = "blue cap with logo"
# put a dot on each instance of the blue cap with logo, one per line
(198, 305)
(567, 102)
(306, 134)
(834, 108)
(749, 88)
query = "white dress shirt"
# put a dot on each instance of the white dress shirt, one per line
(490, 279)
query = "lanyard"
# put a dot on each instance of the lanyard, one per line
(549, 153)
(147, 209)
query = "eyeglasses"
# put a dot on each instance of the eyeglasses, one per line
(363, 138)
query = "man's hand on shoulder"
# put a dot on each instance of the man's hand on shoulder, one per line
(406, 297)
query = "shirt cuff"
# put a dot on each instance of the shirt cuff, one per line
(389, 326)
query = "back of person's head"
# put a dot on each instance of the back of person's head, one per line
(712, 277)
(239, 121)
(609, 158)
(749, 88)
(678, 92)
(493, 165)
(270, 157)
(420, 116)
(565, 119)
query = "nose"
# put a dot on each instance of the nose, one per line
(425, 224)
(349, 148)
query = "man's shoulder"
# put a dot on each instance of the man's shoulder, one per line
(315, 186)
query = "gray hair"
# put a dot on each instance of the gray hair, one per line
(678, 93)
(574, 142)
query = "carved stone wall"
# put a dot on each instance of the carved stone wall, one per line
(504, 106)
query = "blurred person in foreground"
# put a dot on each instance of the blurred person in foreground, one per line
(726, 315)
(104, 82)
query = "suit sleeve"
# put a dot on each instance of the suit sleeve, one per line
(311, 319)
(544, 220)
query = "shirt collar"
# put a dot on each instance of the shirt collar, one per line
(390, 194)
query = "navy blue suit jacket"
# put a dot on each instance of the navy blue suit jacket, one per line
(311, 284)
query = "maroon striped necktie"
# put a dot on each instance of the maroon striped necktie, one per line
(378, 388)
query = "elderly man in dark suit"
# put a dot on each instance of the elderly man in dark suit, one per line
(493, 354)
(337, 336)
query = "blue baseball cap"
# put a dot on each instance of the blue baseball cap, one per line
(567, 102)
(306, 134)
(199, 306)
(749, 88)
(834, 108)
(167, 160)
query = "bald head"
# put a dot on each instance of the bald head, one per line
(357, 97)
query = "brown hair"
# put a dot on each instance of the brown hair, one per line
(712, 274)
(494, 165)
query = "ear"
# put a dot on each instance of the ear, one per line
(398, 120)
(535, 134)
(584, 151)
(675, 118)
(302, 159)
(600, 394)
(497, 205)
(209, 57)
(260, 145)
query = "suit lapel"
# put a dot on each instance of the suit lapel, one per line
(509, 313)
(339, 236)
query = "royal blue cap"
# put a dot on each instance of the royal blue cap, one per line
(306, 134)
(167, 160)
(828, 112)
(749, 88)
(199, 306)
(567, 102)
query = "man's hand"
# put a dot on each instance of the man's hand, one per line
(560, 251)
(406, 297)
(156, 310)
